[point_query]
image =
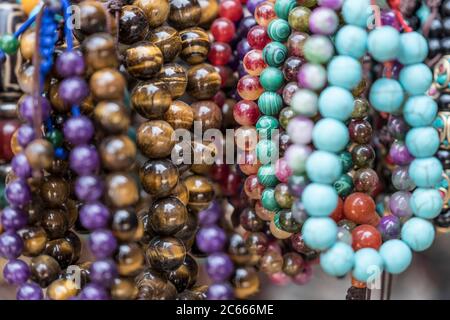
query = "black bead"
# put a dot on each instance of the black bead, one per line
(444, 157)
(445, 8)
(444, 102)
(354, 293)
(436, 29)
(443, 220)
(445, 45)
(434, 47)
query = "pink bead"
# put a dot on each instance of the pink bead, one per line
(274, 246)
(282, 170)
(300, 130)
(279, 278)
(304, 277)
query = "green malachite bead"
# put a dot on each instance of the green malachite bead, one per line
(266, 175)
(278, 30)
(55, 137)
(271, 79)
(266, 151)
(344, 185)
(9, 44)
(286, 114)
(268, 200)
(346, 160)
(265, 126)
(3, 201)
(270, 103)
(274, 53)
(283, 7)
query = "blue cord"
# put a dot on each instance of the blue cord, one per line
(25, 25)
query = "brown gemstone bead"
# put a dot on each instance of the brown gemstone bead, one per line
(293, 263)
(283, 197)
(129, 258)
(92, 19)
(88, 105)
(143, 60)
(201, 192)
(124, 289)
(44, 270)
(250, 221)
(124, 224)
(75, 241)
(208, 114)
(165, 253)
(34, 239)
(203, 81)
(210, 10)
(112, 116)
(59, 167)
(184, 13)
(361, 108)
(54, 191)
(363, 155)
(133, 24)
(154, 139)
(117, 152)
(62, 289)
(121, 190)
(191, 295)
(78, 274)
(238, 251)
(245, 282)
(195, 45)
(34, 210)
(61, 250)
(168, 216)
(71, 207)
(151, 99)
(156, 11)
(203, 156)
(185, 276)
(179, 115)
(181, 193)
(107, 84)
(187, 233)
(168, 40)
(154, 286)
(360, 131)
(25, 78)
(174, 77)
(99, 51)
(39, 154)
(55, 223)
(365, 180)
(158, 177)
(256, 242)
(27, 44)
(287, 221)
(277, 232)
(271, 262)
(57, 103)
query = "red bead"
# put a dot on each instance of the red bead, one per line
(248, 163)
(227, 77)
(231, 9)
(7, 129)
(360, 208)
(253, 189)
(257, 37)
(264, 13)
(366, 236)
(219, 172)
(220, 97)
(253, 62)
(232, 184)
(338, 213)
(219, 53)
(246, 113)
(249, 87)
(223, 29)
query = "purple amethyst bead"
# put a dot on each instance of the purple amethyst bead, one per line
(16, 272)
(73, 90)
(94, 215)
(220, 291)
(13, 219)
(102, 243)
(25, 135)
(399, 153)
(397, 127)
(244, 26)
(18, 193)
(389, 227)
(84, 159)
(29, 291)
(332, 4)
(70, 63)
(242, 48)
(78, 130)
(103, 272)
(88, 188)
(252, 4)
(211, 239)
(210, 215)
(399, 204)
(401, 179)
(20, 166)
(11, 245)
(219, 267)
(93, 291)
(388, 18)
(28, 107)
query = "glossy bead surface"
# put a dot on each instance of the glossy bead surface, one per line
(133, 25)
(257, 37)
(143, 60)
(184, 14)
(298, 18)
(249, 87)
(155, 10)
(168, 40)
(203, 81)
(253, 62)
(154, 139)
(223, 30)
(195, 45)
(275, 53)
(360, 208)
(179, 115)
(366, 236)
(165, 253)
(107, 84)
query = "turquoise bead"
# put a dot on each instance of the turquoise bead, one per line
(397, 256)
(319, 233)
(268, 200)
(270, 103)
(418, 234)
(278, 30)
(416, 79)
(323, 167)
(319, 200)
(336, 103)
(426, 172)
(386, 95)
(420, 111)
(274, 53)
(271, 79)
(368, 265)
(422, 142)
(265, 126)
(305, 103)
(351, 41)
(338, 260)
(330, 135)
(426, 203)
(266, 175)
(413, 48)
(318, 49)
(356, 12)
(344, 72)
(384, 43)
(266, 151)
(283, 7)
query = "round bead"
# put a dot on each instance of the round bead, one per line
(366, 236)
(174, 77)
(266, 175)
(168, 40)
(268, 200)
(296, 156)
(264, 13)
(323, 167)
(418, 234)
(275, 53)
(397, 256)
(319, 200)
(416, 79)
(278, 30)
(257, 37)
(386, 95)
(345, 72)
(271, 79)
(422, 142)
(351, 41)
(283, 7)
(300, 130)
(154, 139)
(420, 111)
(426, 203)
(298, 18)
(179, 115)
(133, 24)
(338, 260)
(356, 12)
(184, 14)
(312, 76)
(156, 11)
(203, 81)
(253, 62)
(223, 30)
(426, 172)
(384, 44)
(143, 60)
(319, 233)
(270, 103)
(323, 21)
(305, 102)
(107, 84)
(249, 87)
(330, 135)
(336, 103)
(318, 49)
(194, 45)
(413, 48)
(368, 264)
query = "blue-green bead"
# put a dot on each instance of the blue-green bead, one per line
(368, 264)
(344, 72)
(3, 201)
(346, 160)
(271, 79)
(274, 53)
(397, 256)
(338, 260)
(268, 200)
(343, 185)
(425, 172)
(356, 12)
(266, 151)
(266, 175)
(278, 30)
(330, 135)
(426, 203)
(270, 103)
(420, 111)
(283, 7)
(384, 43)
(351, 41)
(265, 126)
(319, 200)
(416, 79)
(319, 233)
(323, 167)
(422, 142)
(336, 103)
(386, 95)
(413, 48)
(418, 234)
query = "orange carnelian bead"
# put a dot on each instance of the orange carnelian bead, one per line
(366, 236)
(358, 284)
(338, 213)
(360, 208)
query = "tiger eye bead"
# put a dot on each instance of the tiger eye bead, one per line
(195, 45)
(189, 230)
(54, 191)
(208, 114)
(129, 258)
(71, 208)
(185, 276)
(25, 77)
(159, 177)
(92, 19)
(117, 152)
(107, 84)
(62, 289)
(165, 253)
(156, 11)
(39, 154)
(203, 81)
(210, 10)
(181, 193)
(124, 289)
(184, 13)
(154, 286)
(44, 270)
(57, 103)
(75, 241)
(124, 224)
(154, 139)
(121, 190)
(27, 44)
(168, 40)
(111, 116)
(179, 115)
(174, 77)
(245, 282)
(99, 52)
(201, 192)
(55, 223)
(168, 216)
(34, 239)
(143, 60)
(61, 250)
(151, 99)
(133, 24)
